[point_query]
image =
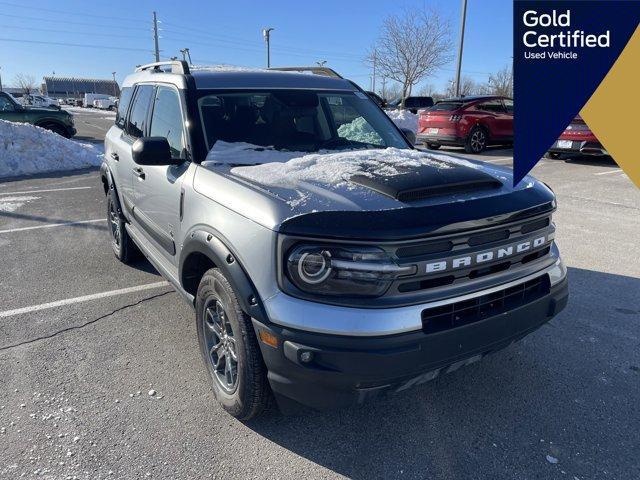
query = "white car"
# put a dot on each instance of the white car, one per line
(36, 100)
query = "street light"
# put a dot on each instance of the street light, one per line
(461, 46)
(115, 84)
(266, 34)
(321, 63)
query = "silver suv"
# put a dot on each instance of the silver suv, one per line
(327, 260)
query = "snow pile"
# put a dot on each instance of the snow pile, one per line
(26, 149)
(242, 153)
(404, 119)
(337, 168)
(359, 130)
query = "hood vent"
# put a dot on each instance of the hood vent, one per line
(428, 181)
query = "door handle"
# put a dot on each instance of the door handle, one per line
(115, 156)
(138, 172)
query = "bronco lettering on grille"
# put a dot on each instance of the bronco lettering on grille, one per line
(488, 255)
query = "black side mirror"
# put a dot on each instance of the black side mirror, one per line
(153, 151)
(410, 134)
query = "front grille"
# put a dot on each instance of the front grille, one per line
(458, 314)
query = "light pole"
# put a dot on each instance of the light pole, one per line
(0, 79)
(185, 54)
(461, 45)
(266, 33)
(115, 84)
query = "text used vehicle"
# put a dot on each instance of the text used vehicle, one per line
(326, 259)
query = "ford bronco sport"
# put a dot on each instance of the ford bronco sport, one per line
(327, 260)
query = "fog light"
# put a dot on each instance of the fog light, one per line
(306, 357)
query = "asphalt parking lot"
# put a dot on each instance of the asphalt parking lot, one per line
(84, 339)
(92, 124)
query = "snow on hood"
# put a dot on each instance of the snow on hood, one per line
(336, 168)
(26, 149)
(242, 153)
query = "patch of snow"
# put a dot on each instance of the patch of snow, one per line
(26, 149)
(404, 119)
(359, 130)
(90, 110)
(242, 153)
(228, 68)
(337, 168)
(11, 204)
(551, 459)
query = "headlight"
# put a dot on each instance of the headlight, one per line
(342, 270)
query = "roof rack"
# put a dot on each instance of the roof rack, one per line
(326, 71)
(177, 66)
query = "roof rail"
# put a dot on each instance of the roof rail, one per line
(177, 66)
(326, 71)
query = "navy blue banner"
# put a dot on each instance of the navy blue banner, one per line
(562, 51)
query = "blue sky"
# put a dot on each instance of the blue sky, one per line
(70, 37)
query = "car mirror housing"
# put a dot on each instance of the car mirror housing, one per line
(153, 151)
(410, 135)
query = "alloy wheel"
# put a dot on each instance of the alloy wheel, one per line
(114, 222)
(220, 343)
(478, 140)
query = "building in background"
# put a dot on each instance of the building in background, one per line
(72, 87)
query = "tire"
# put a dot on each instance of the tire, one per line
(122, 245)
(432, 146)
(225, 332)
(55, 128)
(476, 140)
(552, 155)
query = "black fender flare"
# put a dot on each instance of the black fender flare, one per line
(208, 242)
(109, 184)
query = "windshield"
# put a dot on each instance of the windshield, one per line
(297, 120)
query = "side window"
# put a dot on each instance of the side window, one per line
(493, 106)
(508, 105)
(123, 105)
(137, 121)
(6, 105)
(166, 120)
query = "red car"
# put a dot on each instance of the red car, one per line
(577, 139)
(469, 122)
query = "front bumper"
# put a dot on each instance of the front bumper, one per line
(348, 370)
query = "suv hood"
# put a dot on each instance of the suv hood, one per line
(357, 187)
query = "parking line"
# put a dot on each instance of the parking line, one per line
(46, 191)
(85, 298)
(617, 170)
(52, 225)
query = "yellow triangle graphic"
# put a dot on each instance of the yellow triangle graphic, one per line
(612, 111)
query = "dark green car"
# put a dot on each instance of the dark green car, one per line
(58, 121)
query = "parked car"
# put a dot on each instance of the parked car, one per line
(382, 103)
(470, 122)
(105, 103)
(413, 103)
(311, 282)
(56, 120)
(89, 98)
(36, 100)
(577, 139)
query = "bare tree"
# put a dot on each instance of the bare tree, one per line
(26, 83)
(427, 90)
(468, 86)
(501, 83)
(393, 91)
(412, 46)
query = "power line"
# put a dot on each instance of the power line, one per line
(52, 30)
(66, 12)
(72, 22)
(82, 45)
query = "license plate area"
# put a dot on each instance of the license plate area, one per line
(568, 144)
(432, 131)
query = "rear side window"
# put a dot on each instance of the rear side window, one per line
(166, 120)
(123, 105)
(446, 106)
(508, 104)
(494, 106)
(137, 121)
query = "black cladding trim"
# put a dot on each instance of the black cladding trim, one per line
(416, 222)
